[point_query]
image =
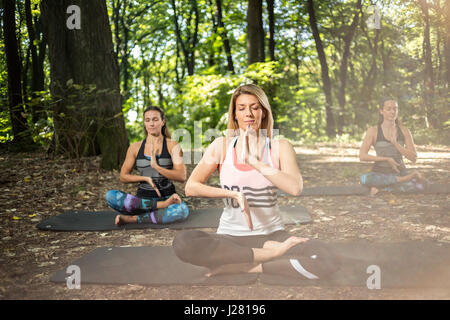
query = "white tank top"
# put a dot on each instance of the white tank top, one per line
(261, 196)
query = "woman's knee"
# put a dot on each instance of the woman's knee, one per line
(379, 180)
(184, 244)
(368, 179)
(175, 212)
(111, 197)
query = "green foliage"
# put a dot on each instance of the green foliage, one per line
(5, 127)
(206, 97)
(147, 48)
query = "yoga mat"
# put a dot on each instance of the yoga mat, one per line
(153, 266)
(410, 264)
(200, 218)
(363, 190)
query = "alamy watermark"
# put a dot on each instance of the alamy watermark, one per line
(374, 281)
(74, 20)
(194, 145)
(374, 20)
(73, 281)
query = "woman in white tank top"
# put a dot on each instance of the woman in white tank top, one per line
(251, 235)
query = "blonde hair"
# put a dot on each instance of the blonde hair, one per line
(267, 121)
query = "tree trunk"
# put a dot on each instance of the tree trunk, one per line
(330, 126)
(270, 9)
(37, 74)
(40, 83)
(188, 46)
(125, 52)
(191, 65)
(439, 18)
(84, 72)
(446, 9)
(368, 87)
(255, 32)
(116, 5)
(429, 78)
(212, 59)
(224, 35)
(22, 136)
(343, 68)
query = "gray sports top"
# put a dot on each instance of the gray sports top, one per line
(384, 148)
(164, 185)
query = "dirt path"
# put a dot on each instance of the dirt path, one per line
(33, 188)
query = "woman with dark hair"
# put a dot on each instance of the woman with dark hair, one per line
(159, 161)
(252, 166)
(392, 141)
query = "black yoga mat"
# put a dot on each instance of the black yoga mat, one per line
(153, 266)
(411, 264)
(358, 189)
(200, 218)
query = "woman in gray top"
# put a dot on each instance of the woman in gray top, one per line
(159, 161)
(392, 141)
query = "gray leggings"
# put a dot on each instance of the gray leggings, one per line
(309, 260)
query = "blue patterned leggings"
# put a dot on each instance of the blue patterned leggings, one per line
(145, 209)
(388, 182)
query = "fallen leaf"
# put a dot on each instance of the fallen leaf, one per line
(46, 264)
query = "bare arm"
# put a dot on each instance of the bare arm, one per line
(127, 167)
(196, 184)
(288, 177)
(128, 164)
(409, 151)
(178, 172)
(368, 141)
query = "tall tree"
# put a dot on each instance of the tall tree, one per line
(188, 45)
(446, 13)
(37, 61)
(21, 134)
(84, 72)
(429, 85)
(224, 35)
(255, 32)
(348, 38)
(270, 10)
(125, 19)
(330, 125)
(369, 79)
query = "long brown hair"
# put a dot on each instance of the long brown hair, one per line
(267, 121)
(164, 130)
(398, 122)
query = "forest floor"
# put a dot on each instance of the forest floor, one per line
(34, 187)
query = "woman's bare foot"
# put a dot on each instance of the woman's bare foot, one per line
(235, 268)
(289, 243)
(373, 191)
(419, 177)
(122, 219)
(275, 249)
(269, 244)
